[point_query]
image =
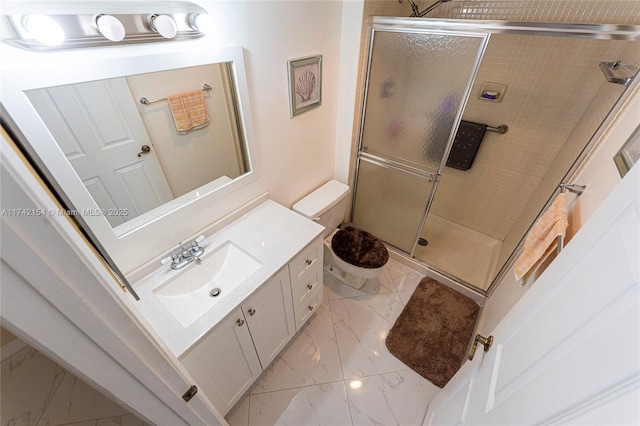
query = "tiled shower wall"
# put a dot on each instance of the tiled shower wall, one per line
(551, 82)
(587, 11)
(574, 11)
(587, 126)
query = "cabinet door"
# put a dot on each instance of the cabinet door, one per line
(224, 364)
(269, 313)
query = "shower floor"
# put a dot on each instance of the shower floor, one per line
(459, 251)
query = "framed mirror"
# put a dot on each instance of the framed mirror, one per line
(124, 162)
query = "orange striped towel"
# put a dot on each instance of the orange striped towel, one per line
(189, 111)
(540, 240)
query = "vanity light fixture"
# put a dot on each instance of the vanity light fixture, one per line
(202, 22)
(110, 27)
(163, 25)
(44, 29)
(64, 25)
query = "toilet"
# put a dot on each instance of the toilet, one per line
(351, 255)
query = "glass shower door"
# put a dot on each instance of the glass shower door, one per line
(417, 85)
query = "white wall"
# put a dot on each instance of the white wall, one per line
(352, 15)
(296, 154)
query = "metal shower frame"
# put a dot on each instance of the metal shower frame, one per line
(468, 27)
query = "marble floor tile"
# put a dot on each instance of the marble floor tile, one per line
(310, 358)
(239, 414)
(405, 295)
(29, 381)
(362, 325)
(324, 404)
(335, 371)
(399, 398)
(126, 420)
(401, 277)
(76, 401)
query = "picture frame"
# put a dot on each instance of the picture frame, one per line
(629, 154)
(305, 84)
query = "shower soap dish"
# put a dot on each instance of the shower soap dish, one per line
(493, 92)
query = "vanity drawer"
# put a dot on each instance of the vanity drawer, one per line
(305, 261)
(307, 286)
(312, 303)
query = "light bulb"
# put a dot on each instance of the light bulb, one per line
(164, 25)
(202, 22)
(44, 29)
(110, 27)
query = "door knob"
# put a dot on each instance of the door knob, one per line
(252, 311)
(145, 150)
(484, 341)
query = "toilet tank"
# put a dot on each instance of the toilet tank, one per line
(326, 205)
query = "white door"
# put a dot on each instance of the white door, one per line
(569, 350)
(100, 131)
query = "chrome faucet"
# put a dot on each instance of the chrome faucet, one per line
(185, 255)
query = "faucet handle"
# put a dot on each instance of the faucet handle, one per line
(169, 259)
(195, 247)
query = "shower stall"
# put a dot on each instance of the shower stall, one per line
(468, 128)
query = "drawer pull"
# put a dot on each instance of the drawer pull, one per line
(309, 286)
(308, 261)
(310, 308)
(240, 322)
(252, 311)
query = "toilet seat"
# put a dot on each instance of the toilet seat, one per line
(359, 248)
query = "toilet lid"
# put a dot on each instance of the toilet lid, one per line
(360, 248)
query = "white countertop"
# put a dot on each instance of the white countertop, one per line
(271, 233)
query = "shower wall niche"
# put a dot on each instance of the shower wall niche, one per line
(556, 100)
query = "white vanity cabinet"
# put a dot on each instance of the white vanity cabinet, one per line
(305, 271)
(269, 314)
(225, 363)
(234, 353)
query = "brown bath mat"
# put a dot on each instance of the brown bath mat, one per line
(433, 332)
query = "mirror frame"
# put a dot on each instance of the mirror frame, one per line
(17, 81)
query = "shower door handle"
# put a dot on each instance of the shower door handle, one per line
(394, 165)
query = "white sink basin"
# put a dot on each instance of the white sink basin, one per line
(199, 287)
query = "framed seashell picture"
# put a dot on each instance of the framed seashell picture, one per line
(305, 84)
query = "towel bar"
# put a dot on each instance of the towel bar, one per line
(577, 189)
(145, 101)
(502, 129)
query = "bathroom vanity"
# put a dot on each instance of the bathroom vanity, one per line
(227, 313)
(226, 319)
